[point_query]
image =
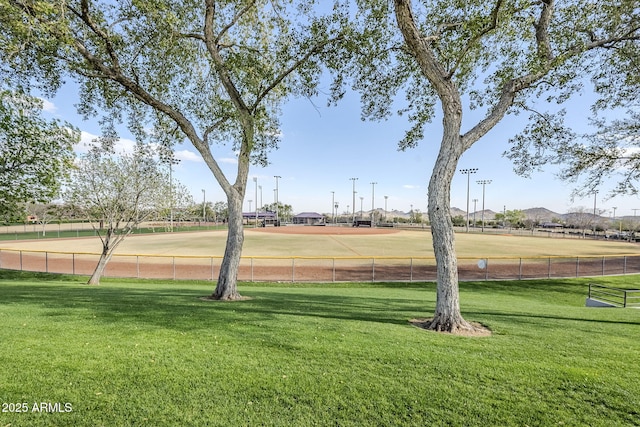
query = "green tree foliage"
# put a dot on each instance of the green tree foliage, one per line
(213, 72)
(496, 57)
(35, 154)
(116, 193)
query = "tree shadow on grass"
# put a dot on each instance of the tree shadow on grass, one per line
(180, 307)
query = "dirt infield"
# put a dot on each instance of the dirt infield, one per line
(327, 230)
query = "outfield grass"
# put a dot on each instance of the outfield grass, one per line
(150, 353)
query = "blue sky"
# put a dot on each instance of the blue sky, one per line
(323, 147)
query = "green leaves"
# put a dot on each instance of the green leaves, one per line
(35, 154)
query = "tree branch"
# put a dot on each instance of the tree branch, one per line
(486, 30)
(314, 50)
(235, 19)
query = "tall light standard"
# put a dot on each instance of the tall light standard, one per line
(250, 201)
(335, 219)
(595, 197)
(373, 202)
(484, 182)
(354, 198)
(276, 197)
(333, 203)
(260, 188)
(385, 208)
(468, 172)
(361, 199)
(255, 181)
(474, 212)
(204, 201)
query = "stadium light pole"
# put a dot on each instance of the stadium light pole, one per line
(361, 200)
(354, 198)
(204, 201)
(333, 203)
(484, 182)
(595, 197)
(255, 180)
(276, 197)
(468, 172)
(373, 201)
(474, 212)
(260, 188)
(385, 208)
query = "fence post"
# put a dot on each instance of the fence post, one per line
(624, 265)
(251, 264)
(520, 269)
(603, 257)
(73, 263)
(211, 268)
(577, 266)
(486, 269)
(173, 266)
(333, 267)
(549, 268)
(46, 262)
(137, 266)
(293, 269)
(20, 260)
(410, 269)
(373, 269)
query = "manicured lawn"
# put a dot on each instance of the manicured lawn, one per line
(150, 353)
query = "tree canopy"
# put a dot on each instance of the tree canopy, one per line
(117, 192)
(213, 72)
(496, 57)
(35, 154)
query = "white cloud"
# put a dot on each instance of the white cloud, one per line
(410, 186)
(188, 156)
(123, 145)
(48, 106)
(230, 160)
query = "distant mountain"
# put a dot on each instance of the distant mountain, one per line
(538, 214)
(541, 214)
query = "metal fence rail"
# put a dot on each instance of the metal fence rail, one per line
(615, 296)
(320, 269)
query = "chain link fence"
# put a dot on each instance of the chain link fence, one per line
(320, 269)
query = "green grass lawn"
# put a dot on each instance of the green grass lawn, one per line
(153, 354)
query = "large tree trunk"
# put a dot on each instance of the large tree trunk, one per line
(447, 315)
(227, 288)
(105, 256)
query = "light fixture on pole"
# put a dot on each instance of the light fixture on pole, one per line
(484, 182)
(468, 172)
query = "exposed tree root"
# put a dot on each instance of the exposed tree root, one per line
(227, 298)
(462, 327)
